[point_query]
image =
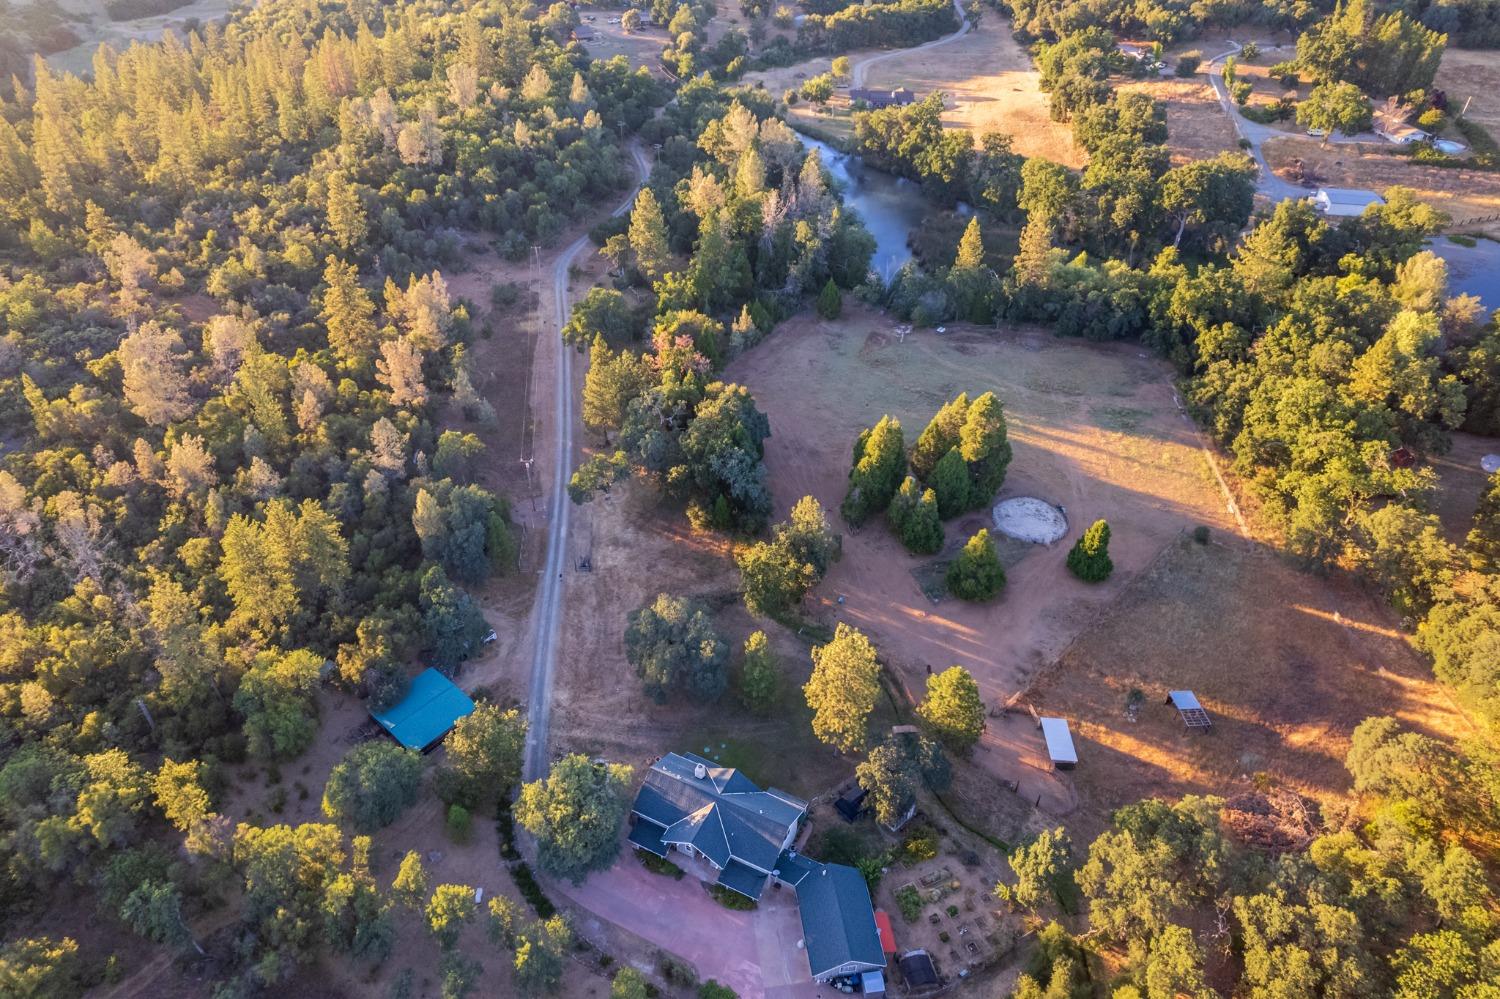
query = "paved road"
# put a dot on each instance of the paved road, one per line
(1267, 183)
(857, 71)
(549, 599)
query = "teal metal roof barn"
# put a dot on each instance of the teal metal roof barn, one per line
(431, 707)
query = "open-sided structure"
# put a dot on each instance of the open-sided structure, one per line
(1193, 715)
(431, 707)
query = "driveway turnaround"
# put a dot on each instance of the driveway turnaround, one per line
(754, 953)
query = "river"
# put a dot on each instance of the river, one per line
(890, 207)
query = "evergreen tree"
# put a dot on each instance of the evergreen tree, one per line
(976, 574)
(939, 437)
(922, 530)
(879, 466)
(984, 444)
(648, 236)
(349, 315)
(760, 675)
(1089, 557)
(830, 301)
(950, 481)
(970, 247)
(953, 709)
(842, 690)
(346, 216)
(903, 503)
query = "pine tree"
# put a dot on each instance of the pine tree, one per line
(976, 574)
(970, 248)
(922, 533)
(984, 443)
(950, 480)
(349, 315)
(648, 236)
(346, 216)
(611, 382)
(830, 301)
(903, 504)
(842, 690)
(879, 465)
(939, 436)
(1089, 558)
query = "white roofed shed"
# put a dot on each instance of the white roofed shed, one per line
(1059, 743)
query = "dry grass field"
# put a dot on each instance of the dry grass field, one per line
(1287, 664)
(1197, 128)
(991, 86)
(1473, 77)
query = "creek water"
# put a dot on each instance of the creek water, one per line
(890, 207)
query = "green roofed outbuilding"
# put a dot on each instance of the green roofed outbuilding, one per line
(431, 707)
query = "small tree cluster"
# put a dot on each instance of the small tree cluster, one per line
(963, 453)
(777, 574)
(673, 646)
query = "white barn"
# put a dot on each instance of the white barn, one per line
(1345, 202)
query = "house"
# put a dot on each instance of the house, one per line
(1344, 201)
(696, 807)
(432, 706)
(900, 97)
(1135, 50)
(583, 33)
(1391, 124)
(1059, 743)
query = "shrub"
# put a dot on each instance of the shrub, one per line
(532, 892)
(1188, 63)
(1241, 91)
(1200, 534)
(459, 823)
(1432, 120)
(920, 848)
(730, 899)
(659, 865)
(830, 301)
(1089, 558)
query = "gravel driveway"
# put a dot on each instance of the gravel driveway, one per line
(754, 953)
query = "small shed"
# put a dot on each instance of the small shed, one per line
(1345, 202)
(1193, 715)
(1059, 743)
(431, 707)
(917, 969)
(852, 805)
(583, 33)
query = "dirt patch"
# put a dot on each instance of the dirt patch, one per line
(990, 85)
(1461, 481)
(1311, 658)
(642, 47)
(1461, 193)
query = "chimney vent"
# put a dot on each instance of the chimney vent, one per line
(700, 771)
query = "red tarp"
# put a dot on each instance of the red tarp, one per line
(887, 936)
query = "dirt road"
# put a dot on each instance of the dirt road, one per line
(549, 595)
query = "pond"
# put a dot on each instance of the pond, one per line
(1472, 270)
(891, 207)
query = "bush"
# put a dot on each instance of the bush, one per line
(1200, 534)
(1241, 92)
(1188, 63)
(459, 823)
(730, 899)
(909, 901)
(1089, 558)
(532, 892)
(920, 848)
(1432, 120)
(659, 865)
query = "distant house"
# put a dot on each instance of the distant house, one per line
(696, 807)
(432, 706)
(1391, 124)
(900, 97)
(583, 33)
(1135, 50)
(1345, 202)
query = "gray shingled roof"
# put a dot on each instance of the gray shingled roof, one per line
(724, 815)
(838, 921)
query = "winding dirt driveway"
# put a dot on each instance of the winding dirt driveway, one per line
(857, 71)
